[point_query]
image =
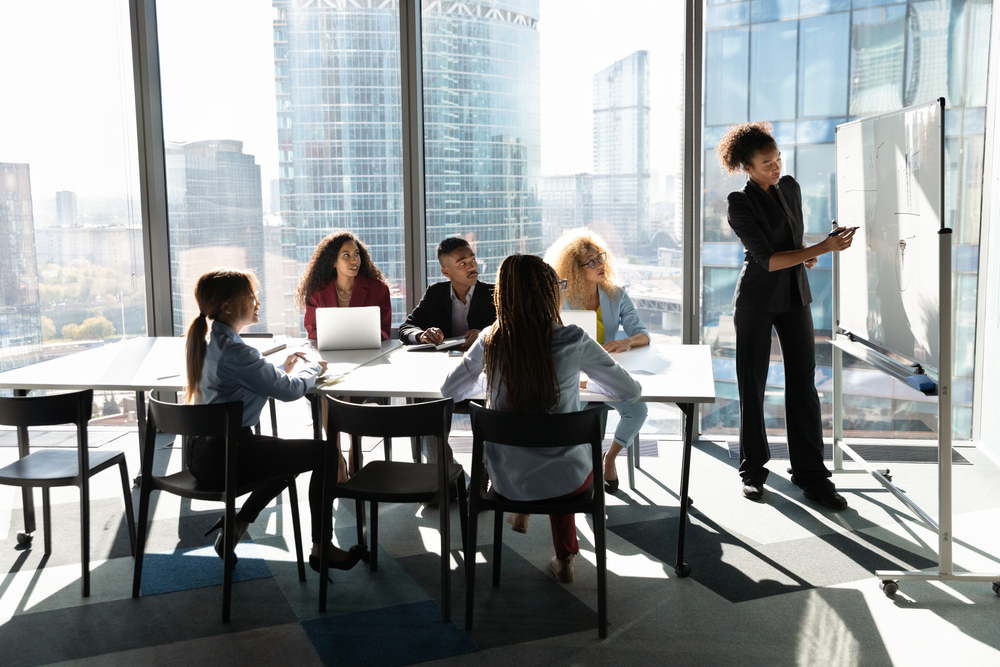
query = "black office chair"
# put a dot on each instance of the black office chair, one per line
(270, 401)
(521, 430)
(221, 420)
(46, 468)
(395, 481)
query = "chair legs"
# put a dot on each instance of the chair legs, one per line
(127, 497)
(293, 500)
(47, 520)
(228, 535)
(497, 545)
(600, 539)
(84, 534)
(373, 544)
(140, 540)
(470, 560)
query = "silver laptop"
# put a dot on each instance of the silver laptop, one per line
(348, 328)
(585, 319)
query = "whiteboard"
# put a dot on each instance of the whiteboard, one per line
(890, 186)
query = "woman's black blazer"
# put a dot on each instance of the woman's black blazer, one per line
(766, 226)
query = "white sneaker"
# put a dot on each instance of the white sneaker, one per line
(563, 569)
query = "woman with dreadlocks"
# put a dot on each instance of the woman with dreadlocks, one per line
(532, 365)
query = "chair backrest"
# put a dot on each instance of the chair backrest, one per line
(212, 419)
(24, 411)
(564, 429)
(391, 421)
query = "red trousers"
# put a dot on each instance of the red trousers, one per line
(564, 526)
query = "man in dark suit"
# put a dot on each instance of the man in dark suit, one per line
(463, 306)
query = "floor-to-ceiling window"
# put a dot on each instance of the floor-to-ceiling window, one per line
(806, 66)
(71, 263)
(282, 123)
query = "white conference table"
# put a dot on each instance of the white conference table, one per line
(679, 374)
(146, 364)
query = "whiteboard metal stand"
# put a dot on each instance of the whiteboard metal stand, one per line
(844, 343)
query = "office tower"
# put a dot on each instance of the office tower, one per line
(806, 70)
(65, 208)
(339, 131)
(567, 203)
(20, 313)
(621, 152)
(216, 216)
(103, 245)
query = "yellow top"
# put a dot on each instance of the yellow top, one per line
(600, 327)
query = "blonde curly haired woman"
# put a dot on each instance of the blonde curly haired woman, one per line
(581, 257)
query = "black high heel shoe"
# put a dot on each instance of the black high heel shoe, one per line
(353, 556)
(611, 486)
(219, 525)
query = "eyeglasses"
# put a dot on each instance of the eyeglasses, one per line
(597, 261)
(562, 284)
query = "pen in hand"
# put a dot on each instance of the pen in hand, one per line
(837, 232)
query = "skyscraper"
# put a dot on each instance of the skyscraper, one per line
(216, 216)
(339, 130)
(20, 314)
(621, 152)
(567, 203)
(65, 208)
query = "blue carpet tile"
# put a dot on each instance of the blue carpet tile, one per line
(405, 634)
(194, 568)
(739, 570)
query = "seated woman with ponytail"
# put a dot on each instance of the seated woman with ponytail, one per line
(532, 364)
(221, 368)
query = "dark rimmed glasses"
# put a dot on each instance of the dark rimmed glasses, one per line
(597, 261)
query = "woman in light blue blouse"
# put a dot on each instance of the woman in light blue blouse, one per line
(222, 369)
(581, 257)
(532, 364)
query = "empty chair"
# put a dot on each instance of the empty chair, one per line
(219, 420)
(395, 481)
(526, 430)
(46, 468)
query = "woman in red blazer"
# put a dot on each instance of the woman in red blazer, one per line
(341, 274)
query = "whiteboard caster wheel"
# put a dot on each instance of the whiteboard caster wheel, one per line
(23, 538)
(683, 571)
(996, 587)
(889, 587)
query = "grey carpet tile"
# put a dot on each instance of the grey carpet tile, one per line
(739, 570)
(108, 534)
(542, 607)
(275, 645)
(110, 627)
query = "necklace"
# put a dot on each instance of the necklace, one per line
(342, 299)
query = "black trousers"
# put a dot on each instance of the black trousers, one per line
(261, 457)
(803, 421)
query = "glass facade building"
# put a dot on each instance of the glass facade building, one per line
(216, 217)
(20, 313)
(807, 66)
(339, 131)
(482, 132)
(621, 153)
(567, 203)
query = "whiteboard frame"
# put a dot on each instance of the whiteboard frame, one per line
(844, 342)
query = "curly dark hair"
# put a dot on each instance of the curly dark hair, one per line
(450, 245)
(741, 143)
(322, 266)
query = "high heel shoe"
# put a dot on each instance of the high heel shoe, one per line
(241, 529)
(353, 556)
(611, 486)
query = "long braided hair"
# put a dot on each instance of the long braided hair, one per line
(322, 266)
(518, 350)
(214, 291)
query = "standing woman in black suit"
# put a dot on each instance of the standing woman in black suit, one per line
(773, 291)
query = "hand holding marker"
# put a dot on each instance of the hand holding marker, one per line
(837, 232)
